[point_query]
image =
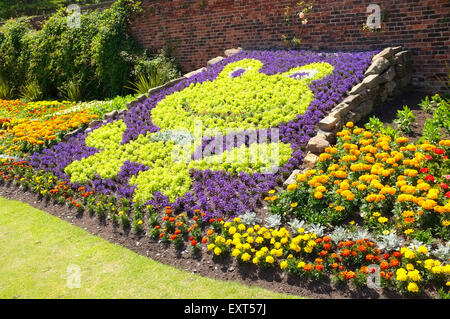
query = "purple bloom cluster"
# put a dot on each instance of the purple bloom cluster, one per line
(219, 193)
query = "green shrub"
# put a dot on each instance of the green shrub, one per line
(94, 61)
(404, 119)
(5, 91)
(31, 91)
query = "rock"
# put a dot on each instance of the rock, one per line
(292, 178)
(330, 136)
(384, 95)
(215, 60)
(188, 75)
(317, 144)
(378, 66)
(389, 75)
(405, 81)
(94, 123)
(400, 70)
(369, 82)
(328, 123)
(357, 88)
(341, 109)
(364, 109)
(403, 57)
(164, 86)
(310, 160)
(73, 133)
(230, 52)
(387, 53)
(111, 114)
(353, 100)
(390, 87)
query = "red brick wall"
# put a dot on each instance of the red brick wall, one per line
(202, 29)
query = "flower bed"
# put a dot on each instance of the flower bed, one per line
(149, 132)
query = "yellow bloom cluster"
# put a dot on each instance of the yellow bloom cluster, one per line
(261, 245)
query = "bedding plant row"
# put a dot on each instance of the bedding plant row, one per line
(28, 127)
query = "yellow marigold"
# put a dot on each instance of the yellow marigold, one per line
(292, 187)
(318, 195)
(428, 204)
(270, 259)
(412, 287)
(402, 140)
(444, 142)
(349, 124)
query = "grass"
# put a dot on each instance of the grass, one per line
(37, 248)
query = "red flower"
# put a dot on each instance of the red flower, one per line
(212, 220)
(195, 218)
(369, 257)
(395, 262)
(193, 242)
(157, 227)
(173, 237)
(161, 235)
(165, 218)
(323, 253)
(327, 246)
(386, 256)
(443, 185)
(362, 248)
(397, 254)
(345, 253)
(307, 267)
(319, 267)
(430, 178)
(384, 265)
(177, 232)
(429, 157)
(424, 170)
(438, 151)
(204, 240)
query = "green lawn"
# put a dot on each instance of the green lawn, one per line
(38, 249)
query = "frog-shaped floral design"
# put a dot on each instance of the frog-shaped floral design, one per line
(241, 100)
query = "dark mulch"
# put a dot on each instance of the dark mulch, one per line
(387, 112)
(204, 263)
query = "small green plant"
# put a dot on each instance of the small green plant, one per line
(145, 82)
(31, 91)
(374, 124)
(72, 92)
(431, 131)
(426, 105)
(404, 119)
(5, 91)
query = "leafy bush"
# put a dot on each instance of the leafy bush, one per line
(31, 91)
(92, 61)
(404, 119)
(5, 91)
(16, 8)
